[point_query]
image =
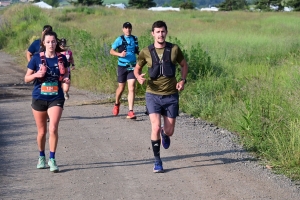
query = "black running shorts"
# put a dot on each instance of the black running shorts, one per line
(41, 105)
(124, 74)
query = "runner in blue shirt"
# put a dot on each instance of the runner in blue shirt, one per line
(49, 69)
(127, 46)
(36, 44)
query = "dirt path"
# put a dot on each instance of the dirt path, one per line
(106, 157)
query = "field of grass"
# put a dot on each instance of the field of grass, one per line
(244, 66)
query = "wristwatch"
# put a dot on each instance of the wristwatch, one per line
(183, 79)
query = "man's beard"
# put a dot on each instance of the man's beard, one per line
(161, 42)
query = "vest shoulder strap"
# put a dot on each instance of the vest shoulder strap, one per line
(123, 39)
(153, 53)
(167, 51)
(59, 56)
(134, 38)
(151, 47)
(61, 66)
(169, 45)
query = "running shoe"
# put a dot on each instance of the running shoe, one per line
(52, 165)
(41, 163)
(165, 140)
(67, 95)
(158, 167)
(116, 109)
(131, 115)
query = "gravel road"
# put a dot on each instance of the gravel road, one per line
(105, 157)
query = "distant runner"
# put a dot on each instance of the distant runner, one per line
(35, 46)
(127, 46)
(71, 66)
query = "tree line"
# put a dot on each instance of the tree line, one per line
(223, 5)
(264, 5)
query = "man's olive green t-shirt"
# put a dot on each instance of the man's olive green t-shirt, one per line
(162, 85)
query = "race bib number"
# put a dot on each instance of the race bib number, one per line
(49, 88)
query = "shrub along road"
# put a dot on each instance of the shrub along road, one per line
(106, 157)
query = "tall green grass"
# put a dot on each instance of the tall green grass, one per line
(243, 66)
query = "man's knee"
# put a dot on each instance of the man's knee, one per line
(130, 89)
(121, 87)
(169, 131)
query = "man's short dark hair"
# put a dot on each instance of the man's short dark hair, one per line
(127, 25)
(47, 27)
(159, 24)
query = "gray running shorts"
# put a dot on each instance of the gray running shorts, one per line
(166, 105)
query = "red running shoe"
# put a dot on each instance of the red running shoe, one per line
(131, 115)
(116, 109)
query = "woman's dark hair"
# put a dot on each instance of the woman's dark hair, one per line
(51, 33)
(159, 24)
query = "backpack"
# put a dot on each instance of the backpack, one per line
(125, 44)
(61, 66)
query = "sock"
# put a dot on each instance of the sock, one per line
(156, 149)
(52, 155)
(42, 153)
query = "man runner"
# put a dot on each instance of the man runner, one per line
(162, 87)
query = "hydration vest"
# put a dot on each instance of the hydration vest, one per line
(163, 67)
(68, 56)
(61, 66)
(125, 44)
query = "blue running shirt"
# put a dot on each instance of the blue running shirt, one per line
(35, 46)
(130, 53)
